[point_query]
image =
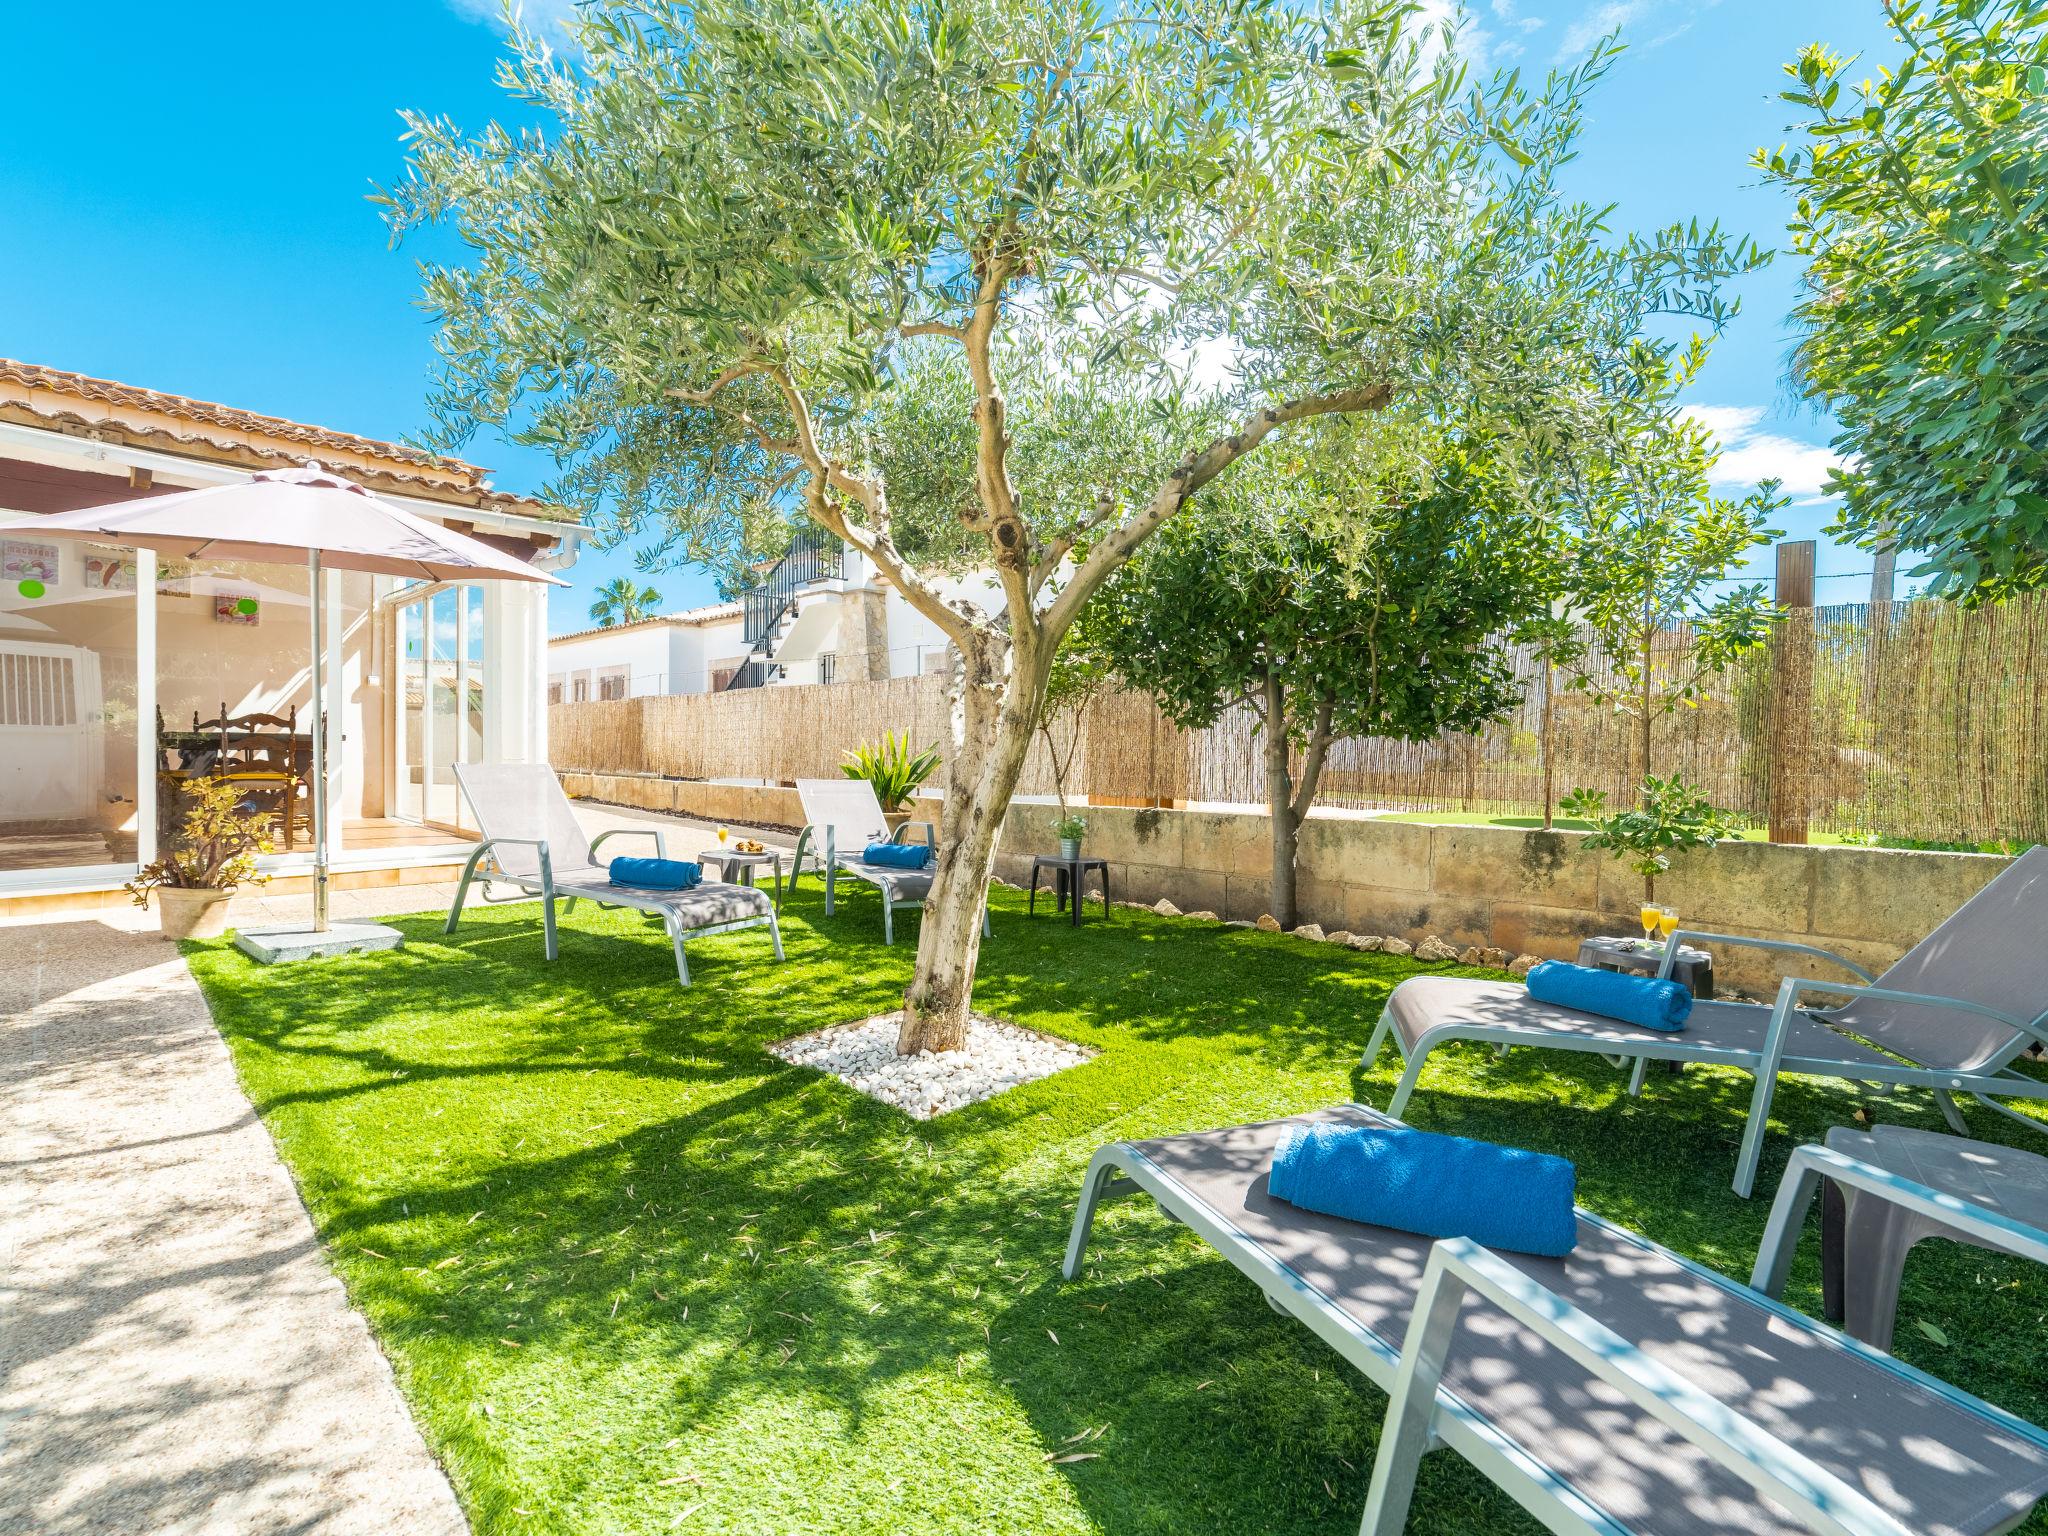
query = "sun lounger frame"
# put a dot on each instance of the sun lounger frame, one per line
(1122, 1169)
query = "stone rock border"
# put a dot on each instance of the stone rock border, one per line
(999, 1056)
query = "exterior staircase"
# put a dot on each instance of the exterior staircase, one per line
(769, 610)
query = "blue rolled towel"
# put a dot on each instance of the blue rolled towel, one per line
(1639, 1000)
(898, 855)
(1439, 1186)
(657, 874)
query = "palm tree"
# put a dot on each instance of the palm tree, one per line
(620, 602)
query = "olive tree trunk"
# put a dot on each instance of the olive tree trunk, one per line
(994, 713)
(1288, 799)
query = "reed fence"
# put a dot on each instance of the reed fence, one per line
(1910, 720)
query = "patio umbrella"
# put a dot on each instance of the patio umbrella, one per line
(289, 514)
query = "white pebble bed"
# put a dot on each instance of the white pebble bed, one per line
(999, 1056)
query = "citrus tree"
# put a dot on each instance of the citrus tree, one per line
(734, 226)
(1330, 605)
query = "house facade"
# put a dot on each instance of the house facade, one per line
(821, 614)
(113, 662)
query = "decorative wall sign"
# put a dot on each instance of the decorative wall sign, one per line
(25, 560)
(236, 608)
(174, 578)
(106, 571)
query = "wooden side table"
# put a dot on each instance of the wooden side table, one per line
(1067, 877)
(730, 860)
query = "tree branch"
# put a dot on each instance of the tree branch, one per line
(725, 376)
(1194, 472)
(1057, 549)
(1312, 759)
(827, 477)
(996, 265)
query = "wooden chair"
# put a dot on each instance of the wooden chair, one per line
(266, 753)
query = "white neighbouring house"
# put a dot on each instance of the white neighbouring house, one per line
(821, 614)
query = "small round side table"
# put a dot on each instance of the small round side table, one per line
(739, 867)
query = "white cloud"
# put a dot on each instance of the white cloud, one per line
(1748, 455)
(1477, 43)
(1671, 18)
(540, 15)
(1509, 14)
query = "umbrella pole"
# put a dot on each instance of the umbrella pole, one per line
(319, 750)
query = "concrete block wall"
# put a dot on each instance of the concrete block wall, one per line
(1530, 892)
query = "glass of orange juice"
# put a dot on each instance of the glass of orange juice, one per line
(1648, 916)
(1667, 921)
(722, 834)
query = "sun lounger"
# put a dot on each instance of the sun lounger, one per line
(841, 817)
(532, 841)
(1622, 1389)
(1952, 1016)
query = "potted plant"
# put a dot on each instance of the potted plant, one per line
(895, 772)
(1070, 829)
(216, 847)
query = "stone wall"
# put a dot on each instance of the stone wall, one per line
(1528, 892)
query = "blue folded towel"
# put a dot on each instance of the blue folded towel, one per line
(1639, 1000)
(657, 874)
(898, 855)
(1439, 1186)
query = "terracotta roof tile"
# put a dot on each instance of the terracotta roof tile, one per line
(712, 613)
(68, 400)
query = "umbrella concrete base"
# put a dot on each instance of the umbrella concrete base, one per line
(299, 941)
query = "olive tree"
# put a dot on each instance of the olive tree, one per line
(1387, 623)
(734, 225)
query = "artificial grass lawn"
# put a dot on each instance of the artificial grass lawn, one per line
(637, 1275)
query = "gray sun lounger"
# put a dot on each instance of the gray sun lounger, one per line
(533, 841)
(1953, 1016)
(1620, 1390)
(841, 817)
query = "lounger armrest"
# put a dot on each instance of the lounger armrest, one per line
(540, 844)
(1781, 946)
(1810, 1164)
(931, 834)
(660, 842)
(1778, 1472)
(1798, 986)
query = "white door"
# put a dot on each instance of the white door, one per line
(52, 763)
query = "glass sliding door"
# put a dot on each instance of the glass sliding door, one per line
(440, 705)
(411, 803)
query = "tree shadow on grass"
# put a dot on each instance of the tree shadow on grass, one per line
(602, 1230)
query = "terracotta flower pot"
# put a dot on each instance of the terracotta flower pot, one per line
(195, 913)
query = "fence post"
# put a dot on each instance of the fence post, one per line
(1791, 715)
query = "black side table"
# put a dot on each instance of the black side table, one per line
(1067, 877)
(1694, 968)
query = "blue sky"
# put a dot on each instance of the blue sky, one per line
(182, 201)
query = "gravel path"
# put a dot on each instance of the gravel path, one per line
(176, 1359)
